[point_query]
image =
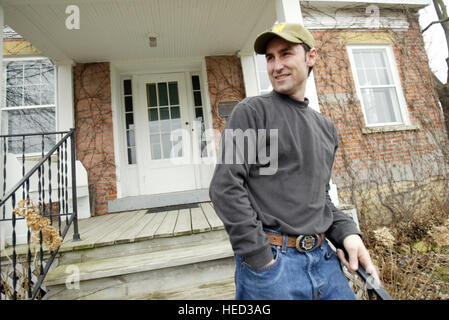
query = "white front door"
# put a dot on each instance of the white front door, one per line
(163, 134)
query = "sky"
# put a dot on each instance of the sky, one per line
(435, 42)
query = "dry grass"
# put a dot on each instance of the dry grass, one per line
(413, 256)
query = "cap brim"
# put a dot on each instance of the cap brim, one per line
(260, 45)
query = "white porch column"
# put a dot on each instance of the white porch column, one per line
(249, 71)
(64, 96)
(2, 22)
(290, 11)
(65, 115)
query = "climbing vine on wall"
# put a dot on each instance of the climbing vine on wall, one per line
(94, 131)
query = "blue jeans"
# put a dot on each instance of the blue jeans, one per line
(313, 275)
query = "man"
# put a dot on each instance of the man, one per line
(278, 223)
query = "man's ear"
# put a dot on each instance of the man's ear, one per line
(312, 55)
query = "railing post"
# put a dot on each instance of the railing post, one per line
(76, 235)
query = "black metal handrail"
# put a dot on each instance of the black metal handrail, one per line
(46, 207)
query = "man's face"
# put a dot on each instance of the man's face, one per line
(287, 66)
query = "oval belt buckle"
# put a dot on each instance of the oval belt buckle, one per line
(306, 243)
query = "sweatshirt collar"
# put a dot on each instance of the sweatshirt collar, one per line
(290, 100)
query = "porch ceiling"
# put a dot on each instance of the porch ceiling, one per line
(117, 30)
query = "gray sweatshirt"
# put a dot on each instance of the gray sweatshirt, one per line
(295, 199)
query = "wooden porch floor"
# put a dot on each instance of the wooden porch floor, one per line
(133, 226)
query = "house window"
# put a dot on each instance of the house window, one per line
(29, 104)
(377, 85)
(127, 99)
(199, 117)
(262, 74)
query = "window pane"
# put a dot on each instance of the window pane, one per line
(127, 87)
(129, 121)
(173, 90)
(155, 138)
(152, 96)
(163, 95)
(130, 138)
(164, 113)
(166, 145)
(132, 155)
(197, 98)
(177, 144)
(371, 77)
(14, 97)
(31, 95)
(358, 59)
(129, 104)
(199, 113)
(362, 78)
(14, 73)
(176, 124)
(153, 115)
(196, 82)
(378, 58)
(384, 77)
(47, 73)
(47, 95)
(32, 73)
(381, 105)
(175, 112)
(156, 151)
(31, 121)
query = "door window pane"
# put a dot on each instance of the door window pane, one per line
(152, 95)
(166, 145)
(173, 90)
(164, 117)
(156, 151)
(163, 95)
(175, 112)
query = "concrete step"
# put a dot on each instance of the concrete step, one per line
(147, 274)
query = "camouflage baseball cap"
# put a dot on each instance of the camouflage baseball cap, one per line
(291, 32)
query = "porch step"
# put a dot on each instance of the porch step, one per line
(157, 274)
(218, 290)
(158, 200)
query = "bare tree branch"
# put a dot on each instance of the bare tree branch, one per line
(434, 22)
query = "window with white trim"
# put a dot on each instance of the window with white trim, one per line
(28, 103)
(262, 74)
(377, 84)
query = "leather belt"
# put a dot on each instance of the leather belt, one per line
(302, 243)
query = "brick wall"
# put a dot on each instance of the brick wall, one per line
(368, 160)
(94, 131)
(225, 81)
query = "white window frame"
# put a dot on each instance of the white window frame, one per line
(261, 91)
(4, 108)
(391, 63)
